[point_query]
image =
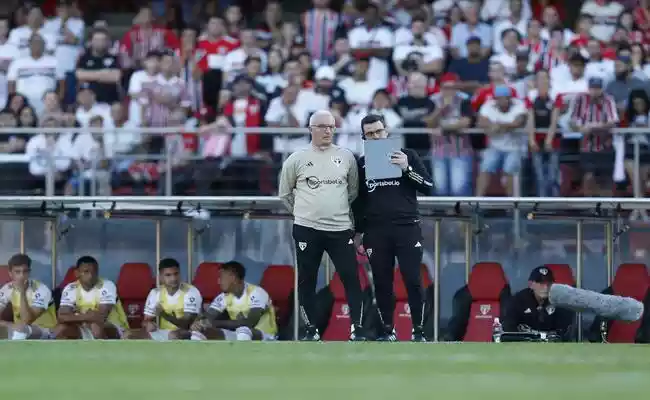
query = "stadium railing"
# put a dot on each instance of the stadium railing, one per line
(468, 211)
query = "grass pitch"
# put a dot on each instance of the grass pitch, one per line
(335, 371)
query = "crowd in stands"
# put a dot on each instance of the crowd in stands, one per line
(514, 68)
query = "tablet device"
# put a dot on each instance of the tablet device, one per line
(378, 164)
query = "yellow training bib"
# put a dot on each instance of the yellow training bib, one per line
(46, 320)
(117, 315)
(177, 310)
(267, 322)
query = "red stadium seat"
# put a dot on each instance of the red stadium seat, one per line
(70, 276)
(278, 281)
(631, 280)
(206, 280)
(486, 284)
(402, 315)
(4, 275)
(562, 273)
(134, 283)
(338, 328)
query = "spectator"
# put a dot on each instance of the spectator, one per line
(69, 33)
(415, 109)
(20, 37)
(270, 30)
(594, 115)
(144, 37)
(234, 21)
(100, 69)
(523, 80)
(515, 21)
(51, 104)
(137, 81)
(34, 75)
(598, 66)
(624, 82)
(342, 60)
(16, 102)
(11, 143)
(179, 157)
(321, 19)
(190, 72)
(42, 149)
(375, 40)
(235, 60)
(359, 88)
(431, 34)
(246, 111)
(472, 27)
(402, 12)
(638, 57)
(554, 53)
(92, 161)
(27, 118)
(472, 70)
(432, 54)
(500, 118)
(252, 68)
(441, 9)
(8, 53)
(637, 116)
(122, 142)
(452, 159)
(533, 43)
(498, 10)
(497, 77)
(582, 34)
(290, 110)
(324, 88)
(605, 14)
(273, 80)
(507, 57)
(551, 21)
(544, 147)
(89, 107)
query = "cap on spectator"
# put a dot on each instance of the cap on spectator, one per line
(474, 39)
(501, 91)
(153, 53)
(595, 83)
(449, 79)
(325, 73)
(541, 275)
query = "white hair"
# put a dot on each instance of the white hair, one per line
(319, 113)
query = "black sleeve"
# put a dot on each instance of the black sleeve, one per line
(511, 317)
(417, 174)
(359, 204)
(81, 63)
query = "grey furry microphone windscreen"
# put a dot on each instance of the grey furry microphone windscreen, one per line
(604, 305)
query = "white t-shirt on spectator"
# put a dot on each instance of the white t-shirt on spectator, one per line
(85, 148)
(500, 10)
(605, 18)
(500, 27)
(509, 62)
(507, 141)
(379, 37)
(603, 69)
(39, 148)
(435, 36)
(430, 53)
(138, 78)
(66, 54)
(83, 116)
(359, 93)
(277, 114)
(8, 53)
(234, 62)
(123, 141)
(35, 77)
(20, 36)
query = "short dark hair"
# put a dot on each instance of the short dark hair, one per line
(87, 260)
(371, 119)
(168, 263)
(236, 268)
(19, 259)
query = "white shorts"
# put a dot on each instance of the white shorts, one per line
(87, 334)
(161, 335)
(45, 334)
(232, 336)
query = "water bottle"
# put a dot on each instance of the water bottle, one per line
(497, 330)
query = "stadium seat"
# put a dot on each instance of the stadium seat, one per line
(338, 327)
(4, 275)
(278, 281)
(206, 280)
(562, 273)
(478, 303)
(402, 315)
(70, 276)
(134, 283)
(631, 280)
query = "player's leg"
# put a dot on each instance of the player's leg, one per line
(309, 253)
(409, 257)
(340, 248)
(380, 249)
(179, 334)
(104, 331)
(67, 332)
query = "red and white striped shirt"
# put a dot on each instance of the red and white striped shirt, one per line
(586, 109)
(320, 29)
(139, 41)
(173, 89)
(452, 145)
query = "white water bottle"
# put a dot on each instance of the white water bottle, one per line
(497, 330)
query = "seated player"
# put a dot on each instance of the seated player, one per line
(31, 303)
(89, 307)
(176, 304)
(242, 312)
(529, 309)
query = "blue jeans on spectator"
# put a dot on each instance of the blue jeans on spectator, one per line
(495, 160)
(547, 171)
(452, 176)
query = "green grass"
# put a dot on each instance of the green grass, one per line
(336, 371)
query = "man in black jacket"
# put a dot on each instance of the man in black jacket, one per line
(386, 213)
